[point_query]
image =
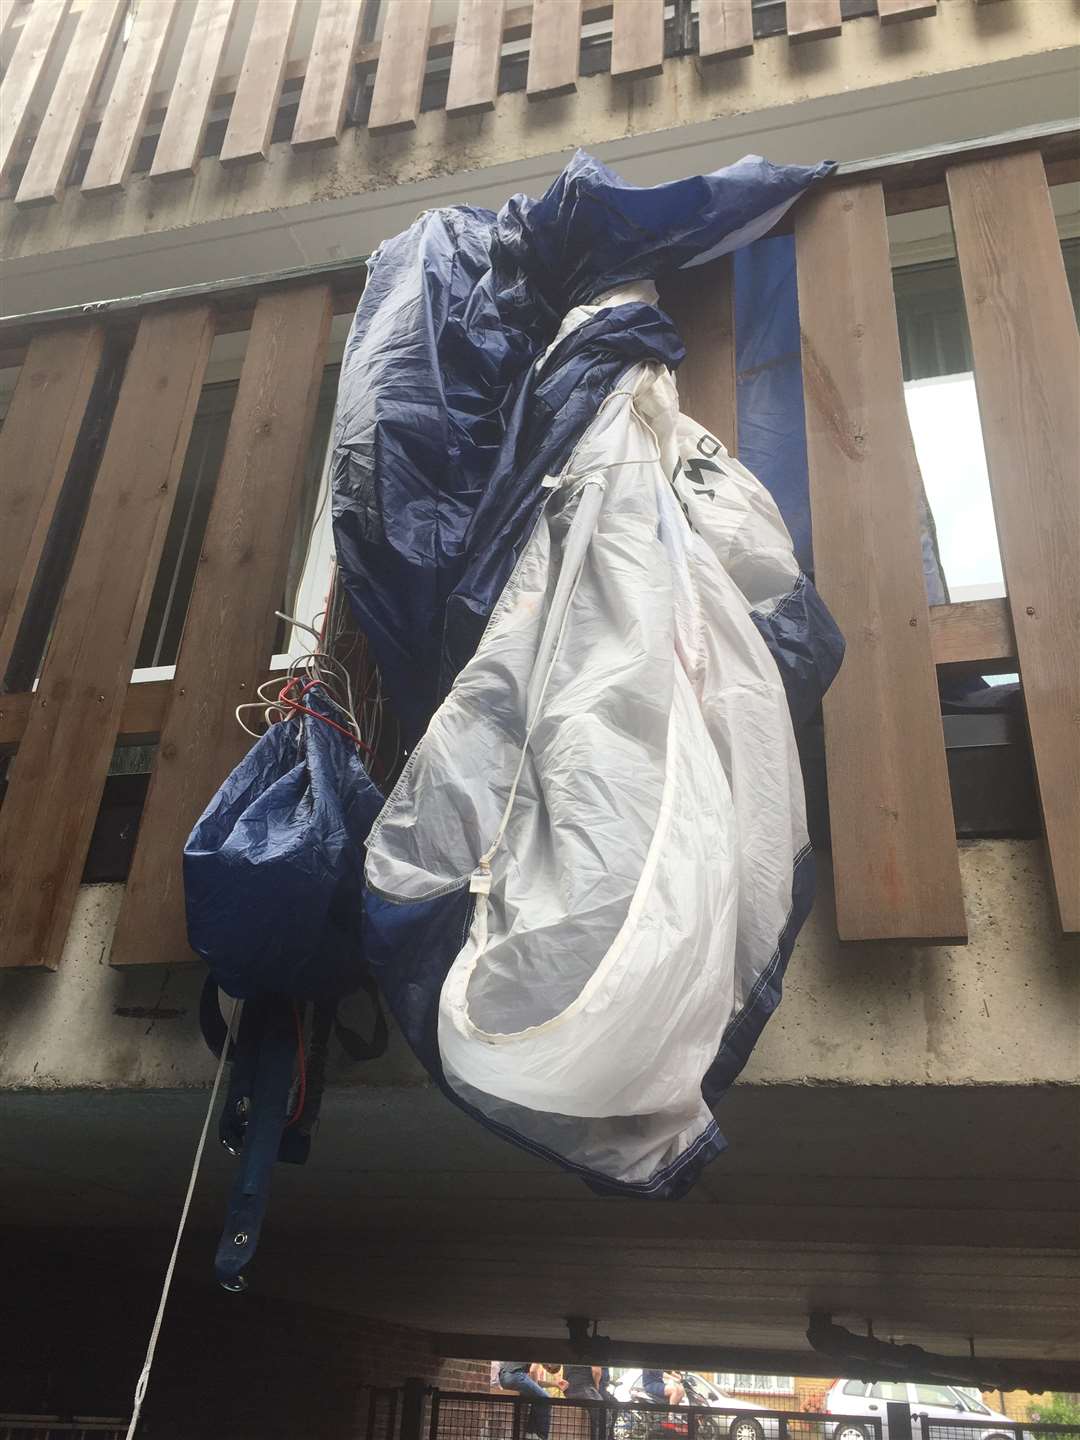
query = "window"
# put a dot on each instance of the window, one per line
(936, 1395)
(939, 386)
(757, 1384)
(889, 1390)
(855, 1387)
(969, 1402)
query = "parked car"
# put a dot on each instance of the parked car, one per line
(738, 1425)
(860, 1400)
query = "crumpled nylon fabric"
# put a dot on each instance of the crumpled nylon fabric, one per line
(640, 804)
(445, 425)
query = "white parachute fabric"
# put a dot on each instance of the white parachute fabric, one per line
(614, 775)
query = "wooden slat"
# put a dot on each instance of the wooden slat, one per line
(184, 127)
(320, 116)
(146, 703)
(36, 445)
(812, 19)
(1027, 374)
(36, 43)
(725, 28)
(54, 149)
(890, 10)
(474, 65)
(251, 120)
(399, 80)
(973, 633)
(60, 767)
(637, 37)
(894, 844)
(230, 625)
(701, 302)
(125, 114)
(555, 48)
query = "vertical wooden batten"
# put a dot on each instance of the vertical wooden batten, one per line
(725, 28)
(474, 64)
(320, 117)
(637, 38)
(399, 77)
(184, 127)
(22, 80)
(63, 758)
(258, 91)
(894, 844)
(122, 124)
(701, 301)
(58, 138)
(813, 19)
(555, 48)
(230, 625)
(36, 445)
(892, 10)
(1027, 374)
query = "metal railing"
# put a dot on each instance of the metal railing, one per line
(416, 1412)
(462, 1415)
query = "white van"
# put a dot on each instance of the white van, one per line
(857, 1400)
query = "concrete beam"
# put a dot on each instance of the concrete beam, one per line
(872, 89)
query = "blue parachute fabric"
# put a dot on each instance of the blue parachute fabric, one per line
(439, 383)
(771, 413)
(273, 867)
(448, 423)
(410, 949)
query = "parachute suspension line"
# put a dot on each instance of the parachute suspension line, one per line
(578, 540)
(155, 1331)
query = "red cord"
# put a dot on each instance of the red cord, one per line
(296, 708)
(301, 1096)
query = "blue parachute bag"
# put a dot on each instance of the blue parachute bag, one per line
(272, 875)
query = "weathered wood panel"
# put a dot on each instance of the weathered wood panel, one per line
(399, 80)
(258, 91)
(230, 624)
(894, 846)
(813, 19)
(36, 43)
(701, 301)
(320, 116)
(57, 140)
(474, 65)
(60, 767)
(890, 10)
(1027, 374)
(36, 445)
(725, 28)
(637, 37)
(555, 48)
(973, 633)
(184, 127)
(125, 113)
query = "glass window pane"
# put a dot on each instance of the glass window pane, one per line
(889, 1390)
(935, 1395)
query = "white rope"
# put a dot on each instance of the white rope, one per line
(144, 1377)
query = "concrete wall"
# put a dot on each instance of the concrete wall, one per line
(1002, 1010)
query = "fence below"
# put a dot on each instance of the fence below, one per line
(416, 1412)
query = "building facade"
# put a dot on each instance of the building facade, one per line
(190, 192)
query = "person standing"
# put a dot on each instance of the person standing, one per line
(583, 1383)
(520, 1375)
